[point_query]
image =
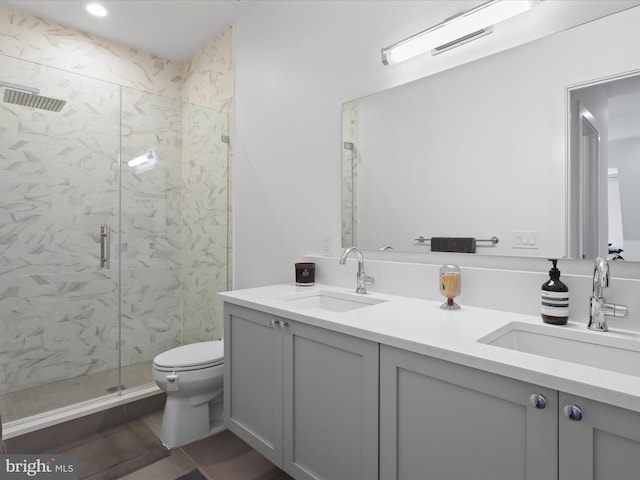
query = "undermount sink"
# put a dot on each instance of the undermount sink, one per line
(332, 301)
(605, 351)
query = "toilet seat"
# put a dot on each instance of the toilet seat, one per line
(195, 356)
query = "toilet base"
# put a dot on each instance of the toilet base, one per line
(183, 422)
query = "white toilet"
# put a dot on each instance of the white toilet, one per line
(192, 377)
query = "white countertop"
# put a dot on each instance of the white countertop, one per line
(422, 326)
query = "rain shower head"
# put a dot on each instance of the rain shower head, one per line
(30, 97)
(33, 100)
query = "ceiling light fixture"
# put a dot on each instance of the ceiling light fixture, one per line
(97, 9)
(456, 31)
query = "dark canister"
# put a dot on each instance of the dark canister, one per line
(305, 274)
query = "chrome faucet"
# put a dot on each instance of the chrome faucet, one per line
(600, 310)
(363, 278)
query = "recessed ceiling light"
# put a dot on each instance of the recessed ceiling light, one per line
(97, 10)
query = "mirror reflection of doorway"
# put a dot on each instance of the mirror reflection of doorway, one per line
(604, 169)
(616, 232)
(589, 164)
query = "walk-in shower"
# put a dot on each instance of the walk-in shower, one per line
(75, 327)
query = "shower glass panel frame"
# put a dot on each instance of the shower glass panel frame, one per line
(72, 330)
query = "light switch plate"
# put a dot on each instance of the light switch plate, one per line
(526, 239)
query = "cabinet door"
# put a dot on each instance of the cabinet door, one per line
(331, 405)
(446, 421)
(601, 441)
(253, 379)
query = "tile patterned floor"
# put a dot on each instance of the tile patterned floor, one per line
(220, 457)
(32, 401)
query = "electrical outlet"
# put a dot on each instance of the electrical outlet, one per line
(326, 244)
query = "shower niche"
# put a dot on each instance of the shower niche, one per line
(74, 326)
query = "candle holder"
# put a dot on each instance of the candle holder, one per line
(450, 286)
(305, 274)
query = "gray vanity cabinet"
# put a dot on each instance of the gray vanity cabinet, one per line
(330, 405)
(446, 421)
(326, 405)
(304, 397)
(253, 359)
(597, 441)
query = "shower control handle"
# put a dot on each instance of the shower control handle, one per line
(105, 246)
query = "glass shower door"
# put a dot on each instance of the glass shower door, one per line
(113, 235)
(151, 231)
(174, 227)
(59, 190)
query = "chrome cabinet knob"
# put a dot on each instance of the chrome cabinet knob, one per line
(278, 323)
(538, 401)
(573, 412)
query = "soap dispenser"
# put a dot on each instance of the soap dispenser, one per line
(555, 298)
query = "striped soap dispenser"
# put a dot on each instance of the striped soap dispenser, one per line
(555, 298)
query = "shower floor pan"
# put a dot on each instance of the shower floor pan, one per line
(35, 400)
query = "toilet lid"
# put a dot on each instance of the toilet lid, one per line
(195, 355)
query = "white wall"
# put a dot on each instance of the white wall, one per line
(296, 63)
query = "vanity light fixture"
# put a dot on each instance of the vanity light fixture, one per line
(97, 9)
(456, 31)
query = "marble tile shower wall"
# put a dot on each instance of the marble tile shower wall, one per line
(39, 40)
(208, 81)
(151, 312)
(205, 221)
(58, 184)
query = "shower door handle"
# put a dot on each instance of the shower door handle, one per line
(105, 246)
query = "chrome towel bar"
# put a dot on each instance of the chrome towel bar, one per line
(493, 240)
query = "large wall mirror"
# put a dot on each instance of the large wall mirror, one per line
(537, 146)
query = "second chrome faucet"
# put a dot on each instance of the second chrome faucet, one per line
(363, 279)
(599, 309)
